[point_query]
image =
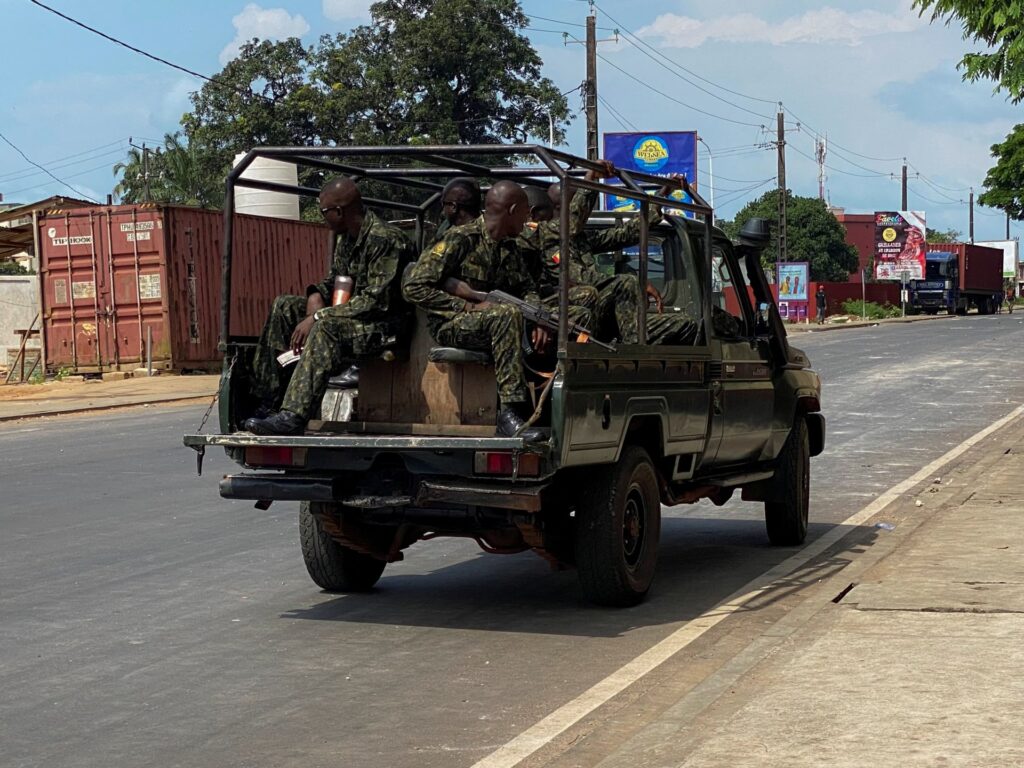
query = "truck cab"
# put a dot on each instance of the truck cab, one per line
(628, 429)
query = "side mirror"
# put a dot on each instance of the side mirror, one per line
(756, 233)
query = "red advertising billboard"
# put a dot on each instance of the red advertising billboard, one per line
(899, 245)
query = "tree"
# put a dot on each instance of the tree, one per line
(813, 235)
(1005, 181)
(943, 236)
(999, 24)
(423, 71)
(11, 267)
(174, 175)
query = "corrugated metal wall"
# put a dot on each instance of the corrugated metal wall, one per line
(113, 273)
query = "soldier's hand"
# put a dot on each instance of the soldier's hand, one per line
(540, 339)
(301, 333)
(674, 182)
(606, 171)
(653, 294)
(479, 307)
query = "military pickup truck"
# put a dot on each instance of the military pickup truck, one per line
(629, 429)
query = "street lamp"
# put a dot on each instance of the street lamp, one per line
(711, 169)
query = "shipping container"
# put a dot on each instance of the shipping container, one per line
(981, 268)
(111, 275)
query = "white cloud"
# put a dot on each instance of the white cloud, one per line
(264, 23)
(822, 25)
(340, 10)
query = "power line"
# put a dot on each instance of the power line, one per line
(680, 66)
(12, 178)
(628, 37)
(650, 87)
(746, 191)
(569, 23)
(61, 159)
(76, 175)
(30, 161)
(619, 118)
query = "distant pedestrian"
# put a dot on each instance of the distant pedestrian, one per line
(1010, 299)
(820, 303)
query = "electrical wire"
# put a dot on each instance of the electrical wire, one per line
(59, 180)
(680, 66)
(76, 175)
(680, 102)
(619, 118)
(629, 38)
(733, 198)
(31, 174)
(52, 163)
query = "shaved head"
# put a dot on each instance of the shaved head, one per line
(506, 210)
(341, 204)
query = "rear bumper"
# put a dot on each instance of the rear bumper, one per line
(430, 493)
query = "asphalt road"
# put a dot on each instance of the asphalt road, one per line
(145, 621)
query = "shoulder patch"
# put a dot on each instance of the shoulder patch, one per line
(556, 257)
(439, 248)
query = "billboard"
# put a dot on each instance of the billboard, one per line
(899, 245)
(662, 154)
(793, 280)
(1011, 255)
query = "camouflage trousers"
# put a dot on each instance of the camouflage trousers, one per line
(333, 344)
(499, 331)
(617, 307)
(671, 328)
(268, 378)
(582, 303)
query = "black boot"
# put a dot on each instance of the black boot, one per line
(282, 423)
(510, 422)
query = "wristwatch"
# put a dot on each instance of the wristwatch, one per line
(320, 314)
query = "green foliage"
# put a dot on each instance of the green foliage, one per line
(943, 236)
(999, 25)
(814, 235)
(13, 268)
(175, 174)
(423, 71)
(1005, 181)
(870, 309)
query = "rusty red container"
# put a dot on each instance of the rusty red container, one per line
(113, 275)
(981, 267)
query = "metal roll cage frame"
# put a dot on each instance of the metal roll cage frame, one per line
(446, 162)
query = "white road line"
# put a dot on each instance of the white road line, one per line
(544, 731)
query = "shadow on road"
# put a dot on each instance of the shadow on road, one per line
(701, 562)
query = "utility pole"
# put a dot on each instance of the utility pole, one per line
(971, 230)
(711, 170)
(903, 199)
(145, 172)
(1007, 225)
(592, 151)
(780, 143)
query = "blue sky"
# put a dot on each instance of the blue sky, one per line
(879, 81)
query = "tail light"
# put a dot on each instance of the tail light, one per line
(275, 456)
(504, 463)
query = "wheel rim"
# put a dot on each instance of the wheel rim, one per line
(634, 526)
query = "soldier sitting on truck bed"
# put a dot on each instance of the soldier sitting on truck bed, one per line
(486, 255)
(460, 204)
(372, 253)
(618, 296)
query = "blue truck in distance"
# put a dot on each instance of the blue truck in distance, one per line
(959, 276)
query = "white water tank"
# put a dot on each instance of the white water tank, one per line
(258, 202)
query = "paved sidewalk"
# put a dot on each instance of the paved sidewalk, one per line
(919, 663)
(53, 398)
(813, 327)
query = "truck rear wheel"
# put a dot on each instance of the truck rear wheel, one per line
(785, 516)
(618, 525)
(333, 566)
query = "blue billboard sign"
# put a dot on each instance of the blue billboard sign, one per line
(662, 154)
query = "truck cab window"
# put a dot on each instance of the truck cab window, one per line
(727, 317)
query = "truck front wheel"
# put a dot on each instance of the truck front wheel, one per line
(785, 516)
(333, 566)
(617, 528)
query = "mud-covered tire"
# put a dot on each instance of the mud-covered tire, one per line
(332, 566)
(785, 516)
(617, 528)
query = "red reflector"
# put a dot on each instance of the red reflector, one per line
(503, 463)
(499, 464)
(274, 456)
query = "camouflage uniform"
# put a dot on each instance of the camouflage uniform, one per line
(470, 254)
(614, 299)
(372, 320)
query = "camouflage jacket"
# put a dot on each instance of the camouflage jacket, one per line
(584, 243)
(470, 254)
(374, 260)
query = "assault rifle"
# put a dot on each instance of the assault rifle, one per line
(536, 314)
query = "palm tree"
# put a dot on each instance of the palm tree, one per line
(175, 174)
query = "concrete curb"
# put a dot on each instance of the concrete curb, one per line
(182, 399)
(813, 328)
